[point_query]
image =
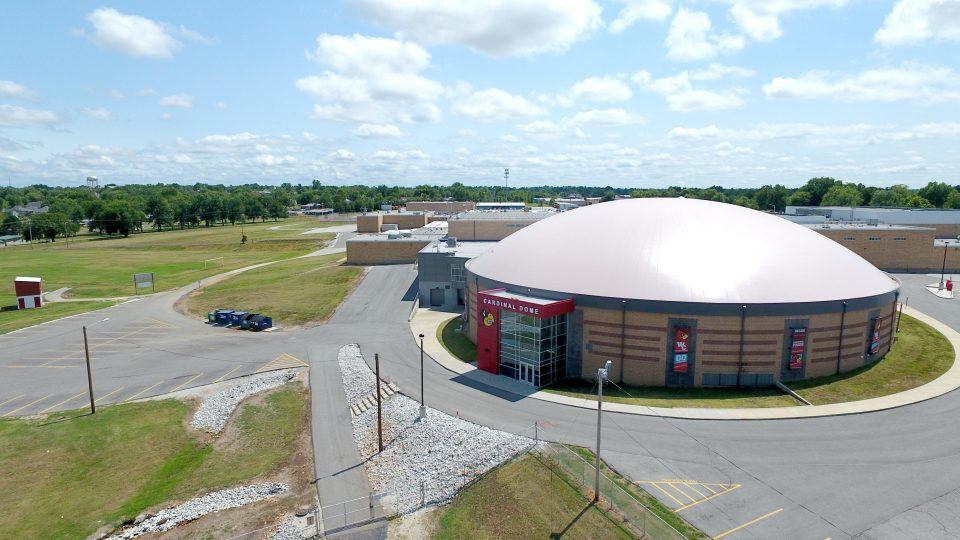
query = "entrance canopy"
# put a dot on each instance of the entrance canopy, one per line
(519, 303)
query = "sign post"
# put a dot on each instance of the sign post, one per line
(142, 281)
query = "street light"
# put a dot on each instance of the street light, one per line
(946, 244)
(423, 405)
(86, 351)
(601, 376)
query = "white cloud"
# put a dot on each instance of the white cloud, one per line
(116, 94)
(718, 71)
(221, 105)
(14, 116)
(541, 127)
(909, 82)
(682, 96)
(494, 27)
(131, 34)
(272, 160)
(708, 132)
(378, 131)
(760, 19)
(342, 154)
(608, 117)
(601, 90)
(914, 21)
(640, 10)
(147, 92)
(166, 116)
(690, 37)
(98, 113)
(372, 80)
(495, 105)
(399, 155)
(184, 101)
(10, 89)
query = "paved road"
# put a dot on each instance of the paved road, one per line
(890, 474)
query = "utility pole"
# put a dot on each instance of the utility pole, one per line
(601, 376)
(944, 265)
(423, 404)
(376, 358)
(506, 175)
(86, 350)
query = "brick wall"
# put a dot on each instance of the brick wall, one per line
(370, 252)
(441, 206)
(484, 230)
(370, 223)
(896, 250)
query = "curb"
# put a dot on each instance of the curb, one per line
(944, 384)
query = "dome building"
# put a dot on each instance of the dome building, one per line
(677, 292)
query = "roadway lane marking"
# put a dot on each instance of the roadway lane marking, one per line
(224, 376)
(11, 399)
(27, 405)
(44, 366)
(704, 491)
(97, 400)
(747, 524)
(283, 361)
(190, 380)
(69, 399)
(142, 391)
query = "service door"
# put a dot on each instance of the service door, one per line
(436, 297)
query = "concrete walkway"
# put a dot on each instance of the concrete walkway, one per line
(427, 321)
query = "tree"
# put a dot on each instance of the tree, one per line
(772, 198)
(160, 211)
(916, 201)
(746, 202)
(893, 196)
(49, 225)
(120, 217)
(818, 188)
(953, 200)
(936, 193)
(799, 198)
(842, 195)
(11, 224)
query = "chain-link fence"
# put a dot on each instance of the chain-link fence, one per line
(583, 473)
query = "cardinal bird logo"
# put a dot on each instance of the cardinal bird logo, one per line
(488, 319)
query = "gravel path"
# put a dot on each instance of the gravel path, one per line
(424, 461)
(169, 518)
(215, 410)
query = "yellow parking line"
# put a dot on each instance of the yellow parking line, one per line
(667, 493)
(11, 399)
(27, 405)
(187, 382)
(747, 524)
(69, 399)
(220, 378)
(682, 492)
(684, 507)
(694, 488)
(142, 391)
(107, 395)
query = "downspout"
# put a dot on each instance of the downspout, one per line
(743, 322)
(893, 312)
(843, 317)
(623, 335)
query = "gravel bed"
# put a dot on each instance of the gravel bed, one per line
(424, 461)
(215, 410)
(358, 380)
(169, 518)
(289, 529)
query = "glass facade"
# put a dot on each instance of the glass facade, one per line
(533, 350)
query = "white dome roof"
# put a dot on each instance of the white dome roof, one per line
(680, 250)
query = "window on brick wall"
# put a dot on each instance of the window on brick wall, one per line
(900, 238)
(874, 239)
(456, 273)
(850, 238)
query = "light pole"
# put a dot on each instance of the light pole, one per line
(423, 405)
(943, 266)
(601, 376)
(86, 351)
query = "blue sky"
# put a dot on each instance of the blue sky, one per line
(623, 93)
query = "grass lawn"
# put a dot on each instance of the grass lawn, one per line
(103, 267)
(920, 355)
(15, 320)
(677, 397)
(68, 474)
(524, 499)
(292, 292)
(456, 342)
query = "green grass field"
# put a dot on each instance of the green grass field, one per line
(455, 342)
(98, 267)
(15, 320)
(67, 475)
(524, 499)
(293, 292)
(920, 355)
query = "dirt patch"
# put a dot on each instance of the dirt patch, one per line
(420, 524)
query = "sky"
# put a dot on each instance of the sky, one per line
(625, 93)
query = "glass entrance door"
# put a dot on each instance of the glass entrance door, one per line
(527, 373)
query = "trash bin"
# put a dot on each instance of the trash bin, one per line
(223, 316)
(212, 317)
(236, 317)
(260, 322)
(245, 322)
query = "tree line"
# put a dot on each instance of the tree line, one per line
(125, 209)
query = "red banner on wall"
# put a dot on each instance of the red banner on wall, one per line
(798, 347)
(681, 349)
(875, 337)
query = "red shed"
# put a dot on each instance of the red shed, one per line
(28, 290)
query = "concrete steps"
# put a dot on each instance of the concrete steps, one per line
(370, 401)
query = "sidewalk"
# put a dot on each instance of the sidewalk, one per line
(427, 321)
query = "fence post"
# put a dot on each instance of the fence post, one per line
(423, 494)
(536, 432)
(370, 502)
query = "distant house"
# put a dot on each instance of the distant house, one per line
(33, 207)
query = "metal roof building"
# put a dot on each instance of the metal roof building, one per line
(678, 292)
